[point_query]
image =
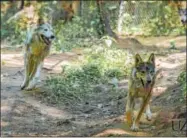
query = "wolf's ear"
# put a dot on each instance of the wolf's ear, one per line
(138, 59)
(152, 58)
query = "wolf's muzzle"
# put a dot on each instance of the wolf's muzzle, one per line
(149, 81)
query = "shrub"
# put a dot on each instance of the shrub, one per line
(165, 21)
(74, 85)
(98, 67)
(114, 73)
(182, 80)
(74, 34)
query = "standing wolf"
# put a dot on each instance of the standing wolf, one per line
(141, 83)
(37, 47)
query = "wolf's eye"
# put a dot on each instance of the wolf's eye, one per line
(45, 29)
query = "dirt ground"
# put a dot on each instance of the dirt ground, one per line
(25, 114)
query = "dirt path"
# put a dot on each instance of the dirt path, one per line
(23, 114)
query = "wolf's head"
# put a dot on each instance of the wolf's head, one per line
(145, 71)
(45, 31)
(183, 14)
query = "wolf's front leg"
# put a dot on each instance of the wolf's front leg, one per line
(148, 113)
(135, 124)
(38, 72)
(145, 102)
(129, 109)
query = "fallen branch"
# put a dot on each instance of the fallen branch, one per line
(53, 66)
(48, 69)
(19, 72)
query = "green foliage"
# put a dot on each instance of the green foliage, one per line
(81, 78)
(182, 80)
(151, 19)
(91, 70)
(114, 73)
(165, 21)
(147, 18)
(92, 17)
(14, 30)
(74, 34)
(110, 59)
(74, 85)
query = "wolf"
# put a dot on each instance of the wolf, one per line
(142, 80)
(37, 47)
(65, 13)
(183, 14)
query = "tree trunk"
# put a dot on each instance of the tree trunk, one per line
(100, 30)
(136, 13)
(107, 26)
(76, 7)
(81, 7)
(105, 20)
(121, 16)
(22, 5)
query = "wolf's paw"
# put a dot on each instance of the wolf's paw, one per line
(134, 127)
(22, 86)
(32, 85)
(39, 81)
(29, 88)
(149, 116)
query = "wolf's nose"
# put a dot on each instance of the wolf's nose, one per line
(52, 37)
(149, 81)
(183, 21)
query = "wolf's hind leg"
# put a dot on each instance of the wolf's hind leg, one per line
(23, 85)
(31, 76)
(36, 77)
(38, 72)
(26, 74)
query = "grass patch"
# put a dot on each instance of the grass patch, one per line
(88, 76)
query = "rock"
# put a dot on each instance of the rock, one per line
(169, 97)
(63, 122)
(100, 105)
